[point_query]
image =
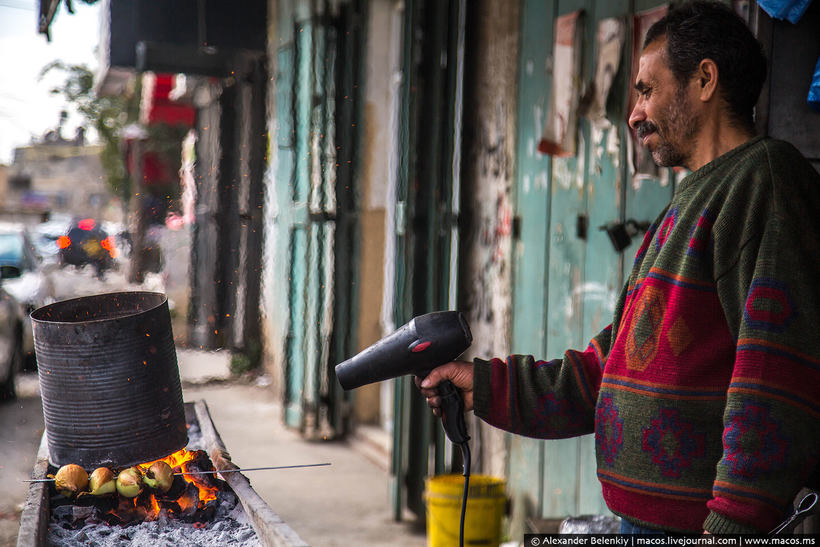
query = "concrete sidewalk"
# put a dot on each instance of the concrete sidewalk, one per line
(346, 503)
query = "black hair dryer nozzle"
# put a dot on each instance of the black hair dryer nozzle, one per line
(418, 347)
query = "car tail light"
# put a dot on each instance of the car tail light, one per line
(63, 242)
(108, 245)
(86, 224)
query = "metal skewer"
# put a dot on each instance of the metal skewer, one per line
(223, 471)
(251, 469)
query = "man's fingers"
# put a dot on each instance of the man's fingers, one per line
(434, 403)
(432, 379)
(429, 392)
(459, 372)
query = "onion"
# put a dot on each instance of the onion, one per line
(102, 482)
(159, 476)
(70, 480)
(129, 482)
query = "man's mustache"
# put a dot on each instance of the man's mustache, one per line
(646, 128)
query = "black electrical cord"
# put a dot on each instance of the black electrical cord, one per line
(465, 455)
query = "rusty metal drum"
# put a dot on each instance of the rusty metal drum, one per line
(109, 380)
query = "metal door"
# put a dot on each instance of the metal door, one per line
(314, 136)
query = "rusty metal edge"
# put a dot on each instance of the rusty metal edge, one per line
(34, 520)
(269, 526)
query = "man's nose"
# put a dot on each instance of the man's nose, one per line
(637, 116)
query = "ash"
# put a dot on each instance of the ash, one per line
(229, 525)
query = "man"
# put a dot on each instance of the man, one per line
(704, 392)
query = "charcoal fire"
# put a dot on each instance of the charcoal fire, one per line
(193, 501)
(191, 498)
(197, 511)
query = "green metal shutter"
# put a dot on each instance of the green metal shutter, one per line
(318, 109)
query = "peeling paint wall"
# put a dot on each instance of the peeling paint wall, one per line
(489, 164)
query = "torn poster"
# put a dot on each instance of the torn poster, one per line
(609, 41)
(642, 163)
(561, 125)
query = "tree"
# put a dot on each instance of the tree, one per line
(108, 115)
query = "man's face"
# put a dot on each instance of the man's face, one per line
(663, 117)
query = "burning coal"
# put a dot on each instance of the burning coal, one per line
(193, 505)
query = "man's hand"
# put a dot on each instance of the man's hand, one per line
(458, 372)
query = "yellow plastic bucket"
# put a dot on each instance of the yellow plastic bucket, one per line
(486, 505)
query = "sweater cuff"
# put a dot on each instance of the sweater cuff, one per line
(482, 388)
(716, 523)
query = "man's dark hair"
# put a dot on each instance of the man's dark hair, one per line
(699, 30)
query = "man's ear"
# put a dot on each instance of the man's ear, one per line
(707, 75)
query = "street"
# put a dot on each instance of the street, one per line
(21, 427)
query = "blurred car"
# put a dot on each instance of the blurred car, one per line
(86, 243)
(121, 238)
(25, 278)
(11, 344)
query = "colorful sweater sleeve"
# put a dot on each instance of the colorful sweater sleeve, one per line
(542, 399)
(771, 298)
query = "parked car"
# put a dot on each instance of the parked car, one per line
(86, 243)
(25, 278)
(11, 343)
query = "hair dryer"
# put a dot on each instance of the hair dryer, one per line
(418, 347)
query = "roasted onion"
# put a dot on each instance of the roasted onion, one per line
(102, 482)
(70, 480)
(129, 482)
(159, 476)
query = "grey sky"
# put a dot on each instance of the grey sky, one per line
(26, 107)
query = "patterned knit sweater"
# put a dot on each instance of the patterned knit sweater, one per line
(704, 392)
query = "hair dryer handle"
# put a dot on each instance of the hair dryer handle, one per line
(452, 412)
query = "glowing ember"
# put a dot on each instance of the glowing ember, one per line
(196, 495)
(154, 505)
(187, 503)
(180, 462)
